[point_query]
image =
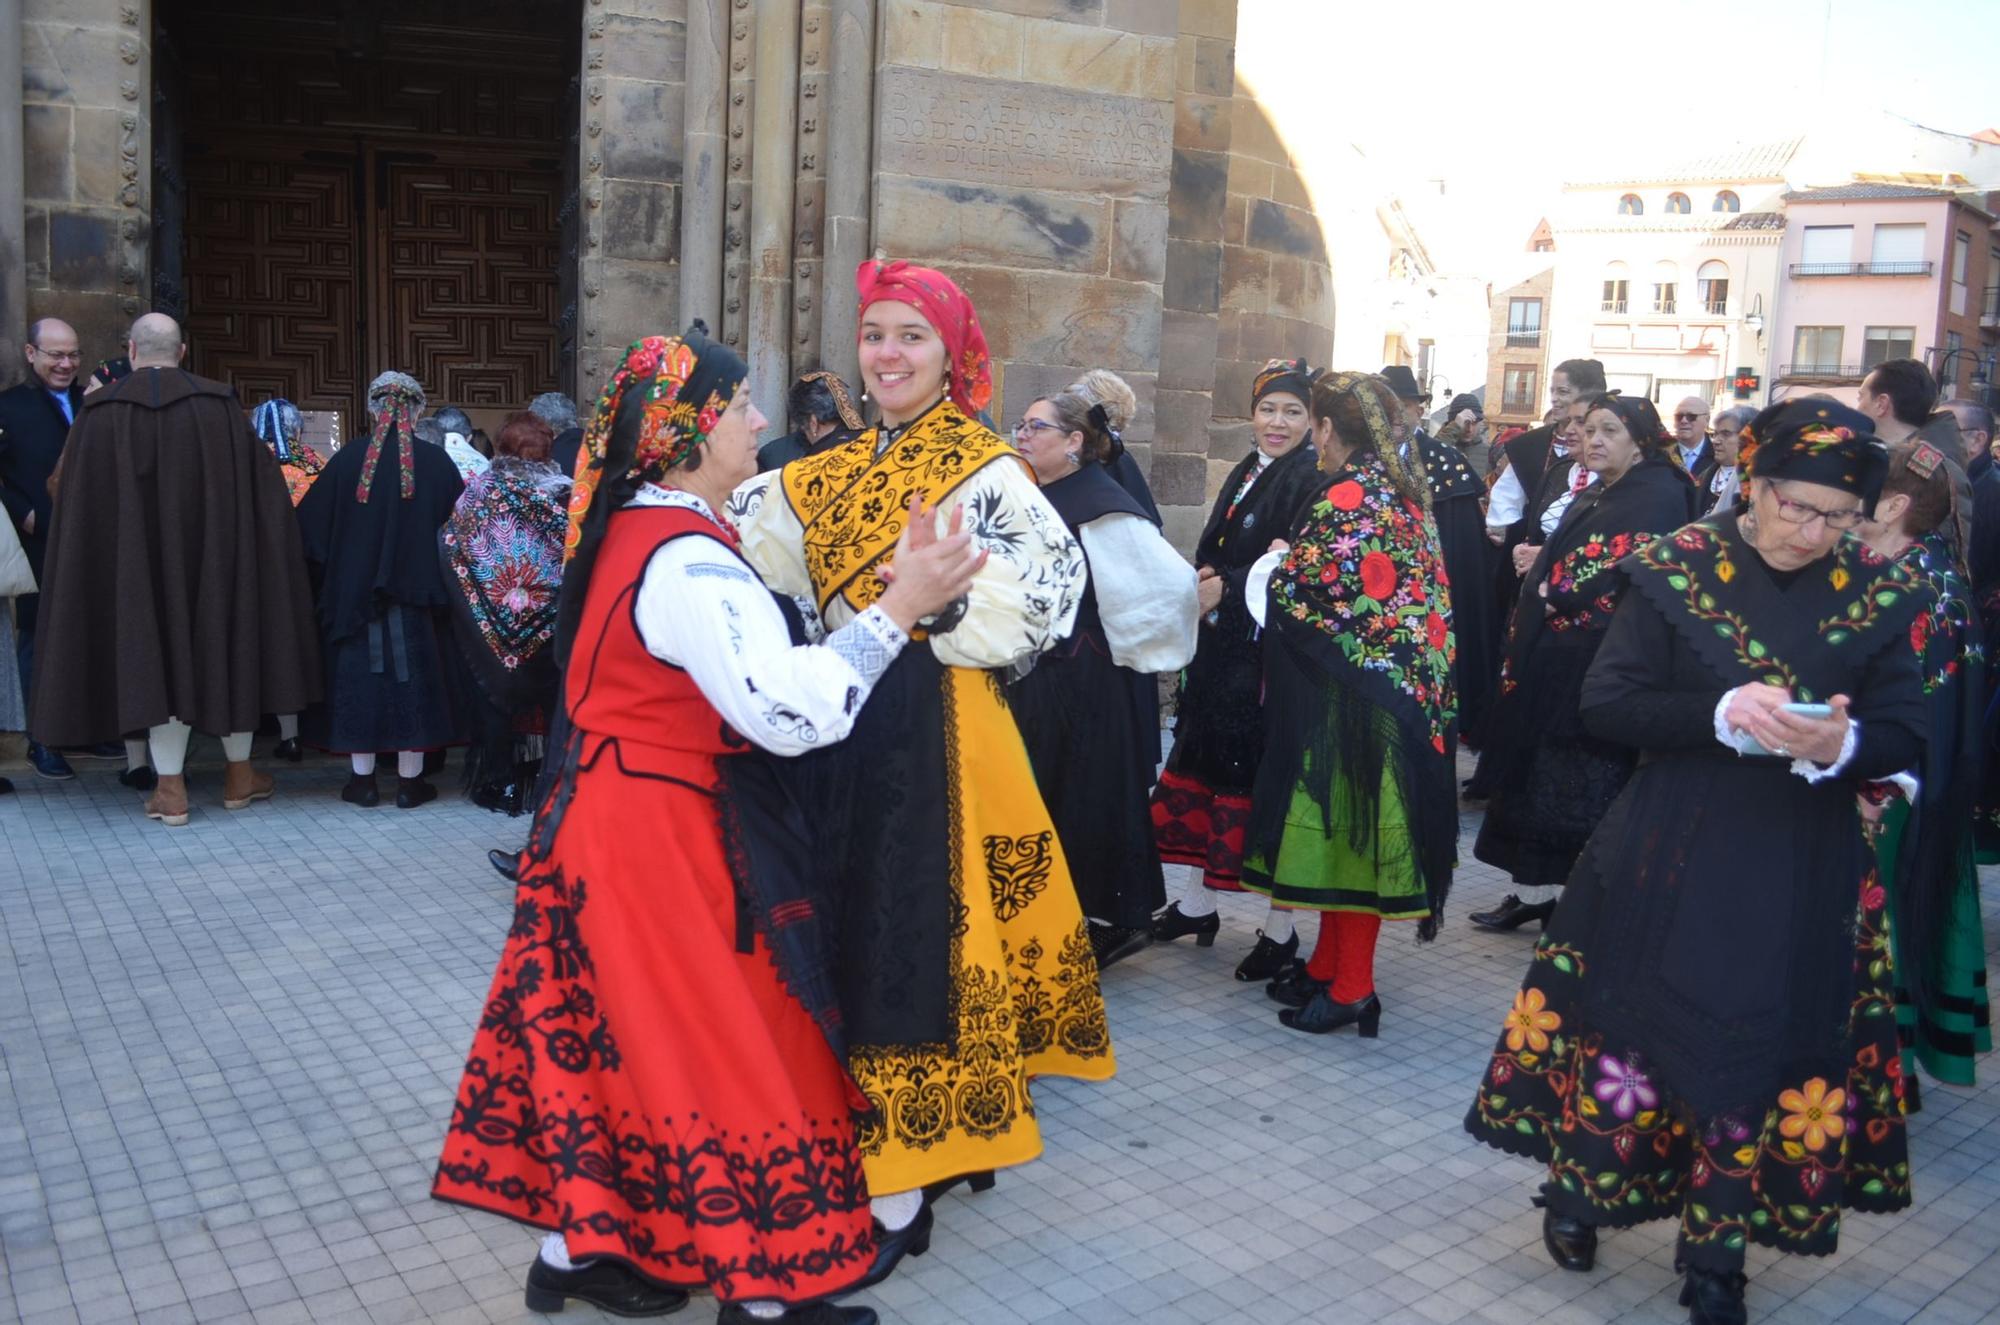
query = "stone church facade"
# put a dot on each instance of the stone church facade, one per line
(498, 196)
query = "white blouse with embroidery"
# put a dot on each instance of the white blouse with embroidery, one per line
(701, 608)
(1023, 599)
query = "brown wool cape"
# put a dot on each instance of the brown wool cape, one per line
(175, 584)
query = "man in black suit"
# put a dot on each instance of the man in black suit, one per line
(1697, 452)
(35, 417)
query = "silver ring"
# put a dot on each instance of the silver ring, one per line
(1785, 750)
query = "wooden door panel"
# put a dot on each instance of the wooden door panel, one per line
(274, 276)
(466, 285)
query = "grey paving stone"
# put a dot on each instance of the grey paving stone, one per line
(227, 1055)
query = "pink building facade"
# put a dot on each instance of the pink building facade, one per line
(1870, 272)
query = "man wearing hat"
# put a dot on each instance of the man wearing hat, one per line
(1456, 494)
(1465, 428)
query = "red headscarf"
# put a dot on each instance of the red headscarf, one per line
(950, 313)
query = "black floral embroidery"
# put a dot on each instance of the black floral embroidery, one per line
(1018, 870)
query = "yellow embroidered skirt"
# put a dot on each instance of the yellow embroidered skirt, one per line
(1024, 983)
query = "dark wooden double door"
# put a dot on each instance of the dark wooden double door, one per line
(312, 265)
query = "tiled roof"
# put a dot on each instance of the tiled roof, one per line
(1760, 161)
(1757, 221)
(1868, 193)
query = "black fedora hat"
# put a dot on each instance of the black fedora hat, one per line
(1404, 383)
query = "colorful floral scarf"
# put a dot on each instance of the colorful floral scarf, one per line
(1364, 568)
(503, 546)
(394, 401)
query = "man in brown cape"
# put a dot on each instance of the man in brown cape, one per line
(174, 595)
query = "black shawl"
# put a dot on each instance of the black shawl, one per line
(365, 553)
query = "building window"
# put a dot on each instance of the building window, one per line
(1617, 288)
(1726, 201)
(1880, 344)
(1896, 248)
(1629, 205)
(1816, 350)
(1678, 205)
(1826, 248)
(1545, 246)
(1961, 259)
(1991, 310)
(1519, 389)
(1524, 323)
(1663, 297)
(1712, 282)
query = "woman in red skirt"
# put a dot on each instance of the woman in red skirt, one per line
(657, 1076)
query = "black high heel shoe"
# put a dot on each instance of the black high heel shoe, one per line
(1572, 1244)
(1513, 913)
(1268, 958)
(1715, 1297)
(289, 750)
(912, 1239)
(1170, 924)
(604, 1284)
(1293, 987)
(1321, 1015)
(978, 1182)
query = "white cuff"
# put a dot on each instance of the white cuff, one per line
(869, 643)
(1741, 742)
(1257, 583)
(1812, 772)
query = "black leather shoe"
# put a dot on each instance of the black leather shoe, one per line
(1513, 913)
(288, 750)
(412, 792)
(606, 1285)
(507, 862)
(1321, 1014)
(142, 778)
(1715, 1297)
(1170, 924)
(361, 790)
(815, 1313)
(978, 1182)
(6, 787)
(1572, 1243)
(1114, 943)
(912, 1239)
(1293, 987)
(1267, 958)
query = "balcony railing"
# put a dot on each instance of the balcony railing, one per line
(1715, 307)
(1665, 306)
(1523, 338)
(1861, 268)
(1612, 306)
(1840, 372)
(1989, 307)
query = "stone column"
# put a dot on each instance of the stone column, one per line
(13, 255)
(850, 166)
(773, 185)
(702, 164)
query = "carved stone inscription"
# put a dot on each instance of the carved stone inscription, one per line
(942, 126)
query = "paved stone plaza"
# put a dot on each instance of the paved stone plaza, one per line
(230, 1050)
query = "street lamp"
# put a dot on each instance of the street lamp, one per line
(1982, 370)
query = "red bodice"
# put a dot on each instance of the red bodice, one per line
(614, 688)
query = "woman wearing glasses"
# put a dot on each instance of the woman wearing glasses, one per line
(1201, 808)
(1553, 781)
(1706, 1032)
(1087, 711)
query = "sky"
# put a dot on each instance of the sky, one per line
(1505, 102)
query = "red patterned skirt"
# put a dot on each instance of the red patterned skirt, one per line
(639, 1083)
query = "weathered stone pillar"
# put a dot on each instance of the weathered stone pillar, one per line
(849, 134)
(13, 253)
(773, 180)
(703, 162)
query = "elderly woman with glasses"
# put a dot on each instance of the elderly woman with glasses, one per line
(1707, 1032)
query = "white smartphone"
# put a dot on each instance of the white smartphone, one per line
(1809, 710)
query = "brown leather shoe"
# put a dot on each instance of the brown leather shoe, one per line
(242, 784)
(169, 801)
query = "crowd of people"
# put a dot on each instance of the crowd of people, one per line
(865, 728)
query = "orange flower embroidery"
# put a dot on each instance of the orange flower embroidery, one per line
(1814, 1114)
(1530, 1022)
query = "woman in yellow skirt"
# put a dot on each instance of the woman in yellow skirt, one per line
(964, 968)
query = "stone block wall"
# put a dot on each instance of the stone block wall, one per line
(633, 88)
(1026, 148)
(86, 77)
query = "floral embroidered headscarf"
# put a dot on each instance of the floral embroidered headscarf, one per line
(1816, 440)
(686, 382)
(969, 370)
(394, 402)
(1379, 409)
(1293, 377)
